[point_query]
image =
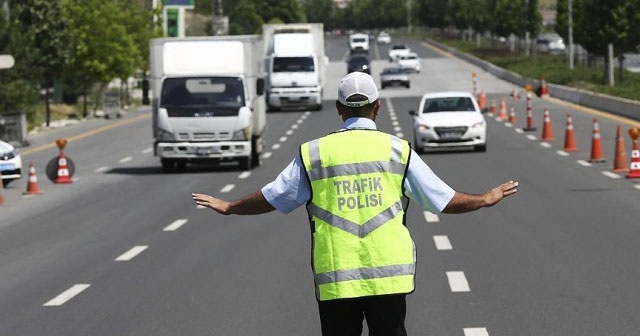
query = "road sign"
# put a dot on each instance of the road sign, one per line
(6, 61)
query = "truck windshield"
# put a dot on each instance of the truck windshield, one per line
(293, 64)
(202, 92)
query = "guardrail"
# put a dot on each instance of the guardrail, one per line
(615, 105)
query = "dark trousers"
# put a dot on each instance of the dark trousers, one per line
(384, 315)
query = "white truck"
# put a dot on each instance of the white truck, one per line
(208, 100)
(295, 63)
(359, 43)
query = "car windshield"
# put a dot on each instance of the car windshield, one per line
(202, 92)
(393, 71)
(398, 47)
(448, 104)
(293, 64)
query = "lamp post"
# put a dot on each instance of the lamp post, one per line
(570, 26)
(409, 16)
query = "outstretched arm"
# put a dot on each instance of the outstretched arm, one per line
(253, 204)
(463, 202)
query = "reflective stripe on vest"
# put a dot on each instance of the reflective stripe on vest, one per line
(389, 265)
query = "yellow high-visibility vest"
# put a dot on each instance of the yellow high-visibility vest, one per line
(361, 246)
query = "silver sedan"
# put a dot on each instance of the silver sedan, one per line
(394, 76)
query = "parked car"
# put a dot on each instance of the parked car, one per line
(552, 44)
(359, 62)
(394, 76)
(410, 62)
(384, 38)
(398, 50)
(10, 163)
(447, 120)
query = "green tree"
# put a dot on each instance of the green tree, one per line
(245, 19)
(318, 10)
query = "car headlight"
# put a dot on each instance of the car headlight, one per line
(423, 128)
(478, 125)
(163, 135)
(242, 134)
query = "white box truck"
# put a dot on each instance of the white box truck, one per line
(295, 63)
(208, 100)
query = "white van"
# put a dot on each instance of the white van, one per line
(359, 43)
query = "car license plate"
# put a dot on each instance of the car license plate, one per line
(6, 166)
(449, 136)
(206, 150)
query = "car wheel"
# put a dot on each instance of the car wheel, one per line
(408, 85)
(416, 148)
(481, 148)
(5, 183)
(168, 166)
(382, 87)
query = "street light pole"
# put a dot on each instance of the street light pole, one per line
(570, 26)
(409, 16)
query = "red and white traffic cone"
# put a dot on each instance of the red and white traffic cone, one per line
(492, 107)
(63, 170)
(569, 136)
(596, 144)
(512, 115)
(634, 169)
(530, 127)
(32, 185)
(502, 115)
(547, 132)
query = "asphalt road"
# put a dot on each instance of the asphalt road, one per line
(124, 251)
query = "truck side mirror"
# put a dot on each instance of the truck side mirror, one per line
(145, 92)
(260, 86)
(412, 112)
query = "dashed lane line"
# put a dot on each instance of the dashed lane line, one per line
(177, 223)
(475, 332)
(442, 243)
(430, 217)
(132, 253)
(227, 188)
(244, 175)
(126, 159)
(458, 282)
(67, 295)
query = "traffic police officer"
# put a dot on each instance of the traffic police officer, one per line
(356, 183)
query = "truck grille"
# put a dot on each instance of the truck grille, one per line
(202, 136)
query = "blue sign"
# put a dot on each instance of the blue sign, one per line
(188, 3)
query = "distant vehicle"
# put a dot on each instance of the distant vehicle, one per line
(359, 62)
(410, 62)
(10, 163)
(359, 43)
(449, 119)
(397, 51)
(552, 44)
(384, 38)
(394, 76)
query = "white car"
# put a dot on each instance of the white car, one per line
(449, 119)
(10, 163)
(409, 62)
(397, 51)
(359, 43)
(384, 38)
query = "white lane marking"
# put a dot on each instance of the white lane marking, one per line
(584, 163)
(400, 135)
(132, 253)
(397, 128)
(458, 282)
(531, 137)
(395, 123)
(508, 124)
(147, 150)
(283, 139)
(545, 144)
(275, 146)
(300, 121)
(178, 223)
(519, 130)
(562, 153)
(476, 332)
(294, 126)
(442, 243)
(610, 174)
(200, 207)
(637, 186)
(66, 295)
(126, 159)
(101, 169)
(267, 155)
(227, 188)
(289, 132)
(430, 217)
(244, 175)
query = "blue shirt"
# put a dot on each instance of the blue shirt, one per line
(291, 189)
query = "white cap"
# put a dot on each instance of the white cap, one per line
(357, 83)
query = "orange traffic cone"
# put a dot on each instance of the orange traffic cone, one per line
(620, 158)
(483, 101)
(596, 144)
(502, 115)
(492, 107)
(634, 169)
(32, 185)
(512, 115)
(569, 136)
(547, 132)
(63, 170)
(544, 92)
(515, 95)
(529, 127)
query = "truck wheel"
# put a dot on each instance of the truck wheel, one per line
(168, 166)
(244, 163)
(181, 166)
(255, 156)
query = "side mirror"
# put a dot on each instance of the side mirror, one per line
(260, 86)
(413, 112)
